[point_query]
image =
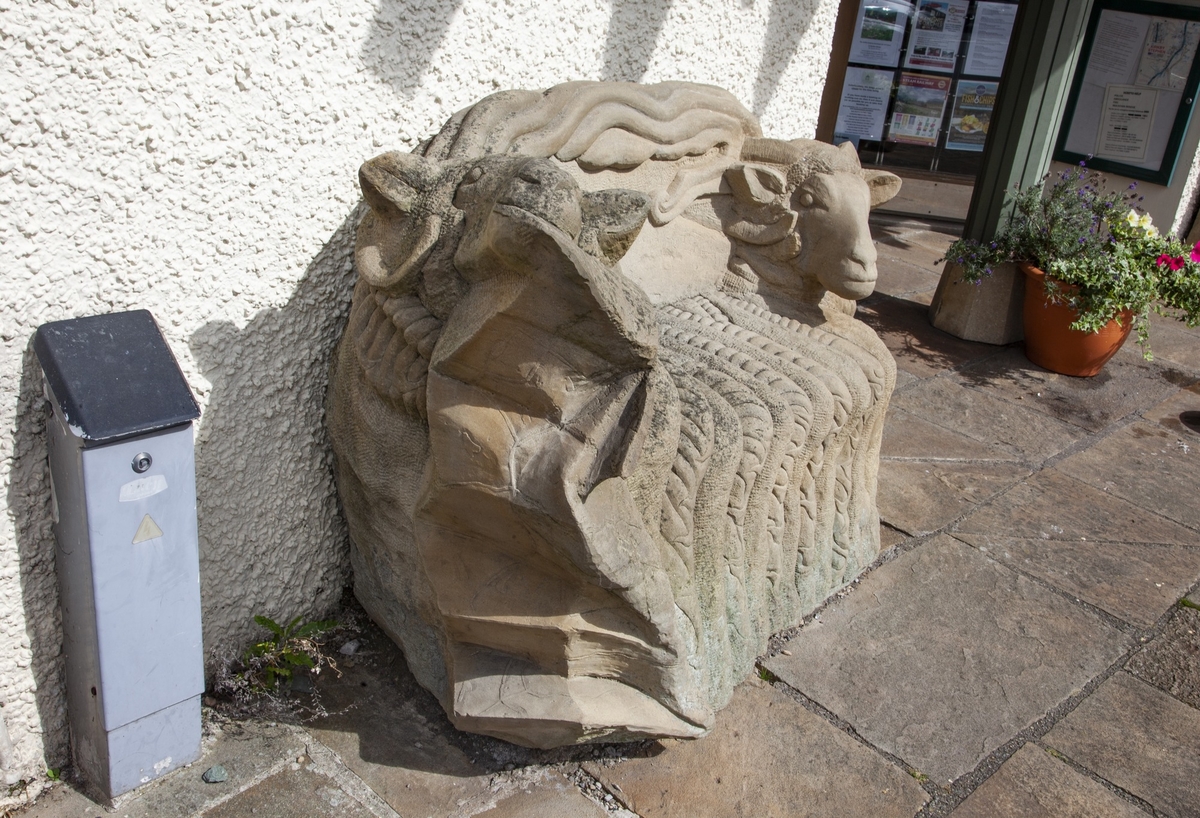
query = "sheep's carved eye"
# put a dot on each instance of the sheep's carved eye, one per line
(474, 175)
(806, 199)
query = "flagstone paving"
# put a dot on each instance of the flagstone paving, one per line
(1172, 661)
(1140, 739)
(1134, 582)
(943, 654)
(769, 757)
(1020, 648)
(1034, 784)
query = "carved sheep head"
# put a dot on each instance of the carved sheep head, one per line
(806, 204)
(415, 203)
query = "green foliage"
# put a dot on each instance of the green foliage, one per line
(1100, 255)
(1187, 603)
(289, 648)
(53, 774)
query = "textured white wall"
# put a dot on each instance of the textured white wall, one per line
(199, 159)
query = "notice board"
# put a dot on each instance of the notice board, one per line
(1134, 89)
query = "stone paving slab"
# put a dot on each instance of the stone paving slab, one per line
(1006, 426)
(394, 736)
(919, 348)
(1147, 464)
(549, 796)
(1172, 661)
(889, 536)
(1167, 413)
(912, 435)
(1134, 582)
(943, 654)
(249, 751)
(1127, 384)
(1140, 739)
(1052, 505)
(298, 793)
(1172, 342)
(1033, 784)
(916, 248)
(767, 757)
(902, 279)
(921, 496)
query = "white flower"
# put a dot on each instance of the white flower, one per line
(1144, 221)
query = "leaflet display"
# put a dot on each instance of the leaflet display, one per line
(972, 115)
(879, 32)
(1134, 89)
(863, 109)
(989, 39)
(937, 34)
(921, 79)
(920, 103)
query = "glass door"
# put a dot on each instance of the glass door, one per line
(920, 85)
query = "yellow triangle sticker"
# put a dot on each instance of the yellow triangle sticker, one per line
(148, 530)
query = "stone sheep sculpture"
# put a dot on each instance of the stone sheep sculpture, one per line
(603, 417)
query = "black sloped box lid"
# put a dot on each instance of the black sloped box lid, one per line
(113, 376)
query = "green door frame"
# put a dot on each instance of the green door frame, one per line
(1042, 52)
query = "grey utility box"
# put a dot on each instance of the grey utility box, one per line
(123, 486)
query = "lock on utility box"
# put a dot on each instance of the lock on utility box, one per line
(123, 488)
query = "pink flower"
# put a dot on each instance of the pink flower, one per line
(1196, 252)
(1176, 263)
(1163, 260)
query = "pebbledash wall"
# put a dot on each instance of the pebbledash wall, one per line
(200, 159)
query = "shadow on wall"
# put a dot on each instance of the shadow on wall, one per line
(785, 28)
(406, 34)
(29, 503)
(633, 32)
(272, 538)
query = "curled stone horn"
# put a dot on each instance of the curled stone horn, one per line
(804, 156)
(402, 228)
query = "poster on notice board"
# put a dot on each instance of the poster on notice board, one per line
(863, 108)
(989, 39)
(936, 34)
(1127, 108)
(879, 32)
(920, 103)
(971, 115)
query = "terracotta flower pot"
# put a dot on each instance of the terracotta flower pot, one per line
(1051, 343)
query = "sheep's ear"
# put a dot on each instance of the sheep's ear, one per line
(392, 182)
(612, 219)
(883, 185)
(395, 238)
(755, 184)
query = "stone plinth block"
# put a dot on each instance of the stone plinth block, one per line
(603, 415)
